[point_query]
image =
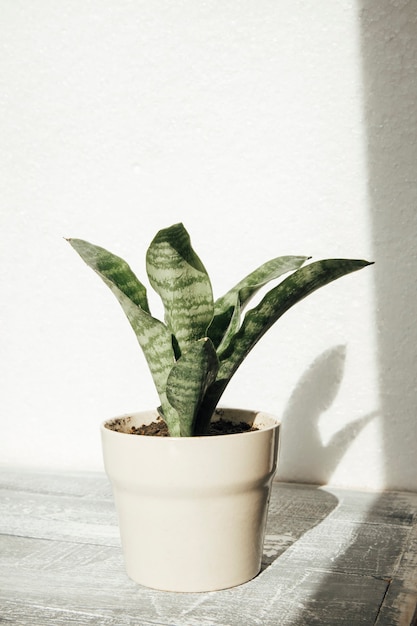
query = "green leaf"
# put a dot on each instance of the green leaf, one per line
(113, 270)
(153, 336)
(228, 308)
(276, 302)
(179, 277)
(188, 381)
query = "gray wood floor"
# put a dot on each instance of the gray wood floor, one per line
(332, 557)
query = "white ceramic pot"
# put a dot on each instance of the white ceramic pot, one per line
(192, 510)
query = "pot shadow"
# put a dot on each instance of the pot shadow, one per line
(304, 458)
(293, 511)
(297, 506)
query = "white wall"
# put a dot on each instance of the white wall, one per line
(257, 124)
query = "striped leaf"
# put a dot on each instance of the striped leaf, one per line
(258, 320)
(188, 381)
(153, 336)
(179, 277)
(228, 308)
(113, 270)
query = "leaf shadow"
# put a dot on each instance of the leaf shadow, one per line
(304, 457)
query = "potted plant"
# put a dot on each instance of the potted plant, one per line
(192, 504)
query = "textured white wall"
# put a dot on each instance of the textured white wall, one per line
(260, 126)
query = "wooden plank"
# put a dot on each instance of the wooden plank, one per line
(86, 520)
(78, 484)
(63, 579)
(331, 557)
(400, 602)
(352, 548)
(393, 507)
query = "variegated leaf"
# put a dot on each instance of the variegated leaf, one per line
(179, 277)
(188, 381)
(228, 308)
(113, 270)
(153, 336)
(276, 302)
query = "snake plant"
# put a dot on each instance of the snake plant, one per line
(194, 353)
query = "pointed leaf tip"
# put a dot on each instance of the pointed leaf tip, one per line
(280, 299)
(181, 280)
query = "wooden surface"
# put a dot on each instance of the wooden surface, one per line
(332, 557)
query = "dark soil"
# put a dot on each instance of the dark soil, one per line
(221, 427)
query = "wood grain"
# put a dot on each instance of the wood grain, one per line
(331, 557)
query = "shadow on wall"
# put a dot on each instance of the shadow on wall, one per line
(389, 58)
(303, 455)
